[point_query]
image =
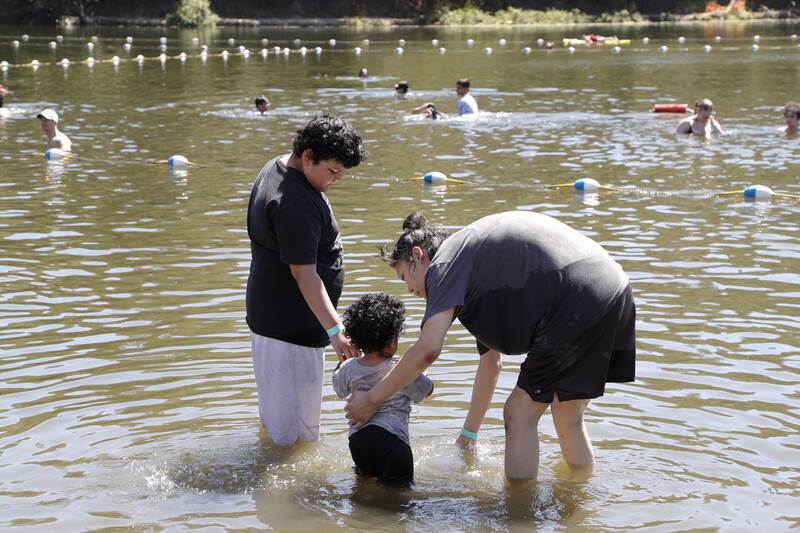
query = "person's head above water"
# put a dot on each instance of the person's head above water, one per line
(704, 105)
(401, 88)
(262, 104)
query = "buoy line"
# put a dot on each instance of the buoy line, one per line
(589, 185)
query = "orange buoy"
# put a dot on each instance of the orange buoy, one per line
(670, 108)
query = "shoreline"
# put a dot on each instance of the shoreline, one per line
(368, 22)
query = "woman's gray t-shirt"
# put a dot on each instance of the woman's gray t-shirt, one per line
(392, 414)
(522, 282)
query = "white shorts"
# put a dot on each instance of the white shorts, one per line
(289, 380)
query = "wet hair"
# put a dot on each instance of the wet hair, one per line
(417, 233)
(363, 73)
(463, 82)
(373, 321)
(330, 137)
(705, 103)
(434, 112)
(401, 86)
(261, 100)
(791, 109)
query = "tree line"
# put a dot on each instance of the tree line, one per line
(423, 11)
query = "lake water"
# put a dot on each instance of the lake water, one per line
(127, 401)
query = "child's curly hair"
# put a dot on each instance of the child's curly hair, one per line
(373, 321)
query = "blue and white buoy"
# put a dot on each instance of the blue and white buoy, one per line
(178, 161)
(54, 154)
(435, 177)
(586, 185)
(758, 192)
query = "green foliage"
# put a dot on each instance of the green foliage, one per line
(512, 15)
(192, 14)
(621, 16)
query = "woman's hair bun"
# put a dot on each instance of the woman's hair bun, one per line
(415, 220)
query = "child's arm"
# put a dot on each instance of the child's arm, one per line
(316, 297)
(482, 392)
(340, 385)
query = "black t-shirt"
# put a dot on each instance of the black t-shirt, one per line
(522, 282)
(289, 223)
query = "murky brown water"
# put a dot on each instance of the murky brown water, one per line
(126, 395)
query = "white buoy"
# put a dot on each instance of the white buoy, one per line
(115, 60)
(65, 62)
(616, 49)
(442, 50)
(681, 40)
(231, 41)
(195, 41)
(163, 58)
(59, 38)
(586, 185)
(470, 42)
(25, 37)
(245, 53)
(129, 40)
(163, 40)
(90, 61)
(94, 38)
(398, 50)
(526, 50)
(332, 42)
(264, 42)
(140, 58)
(435, 177)
(162, 47)
(570, 49)
(317, 50)
(540, 42)
(178, 161)
(502, 42)
(183, 56)
(487, 50)
(758, 191)
(756, 38)
(276, 49)
(435, 42)
(264, 52)
(706, 48)
(646, 40)
(366, 42)
(224, 53)
(35, 63)
(4, 65)
(755, 47)
(793, 37)
(357, 50)
(89, 45)
(15, 44)
(664, 48)
(401, 42)
(126, 47)
(286, 51)
(303, 50)
(51, 44)
(297, 42)
(54, 154)
(717, 38)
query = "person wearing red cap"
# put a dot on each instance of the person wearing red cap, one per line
(48, 119)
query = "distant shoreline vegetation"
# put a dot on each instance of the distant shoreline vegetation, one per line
(197, 13)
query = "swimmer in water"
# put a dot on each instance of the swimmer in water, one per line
(262, 105)
(702, 122)
(428, 109)
(48, 120)
(791, 114)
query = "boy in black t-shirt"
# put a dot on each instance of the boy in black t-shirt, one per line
(296, 276)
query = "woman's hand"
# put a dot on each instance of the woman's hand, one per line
(359, 409)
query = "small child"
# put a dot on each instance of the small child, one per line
(381, 448)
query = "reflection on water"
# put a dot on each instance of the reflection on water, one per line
(126, 393)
